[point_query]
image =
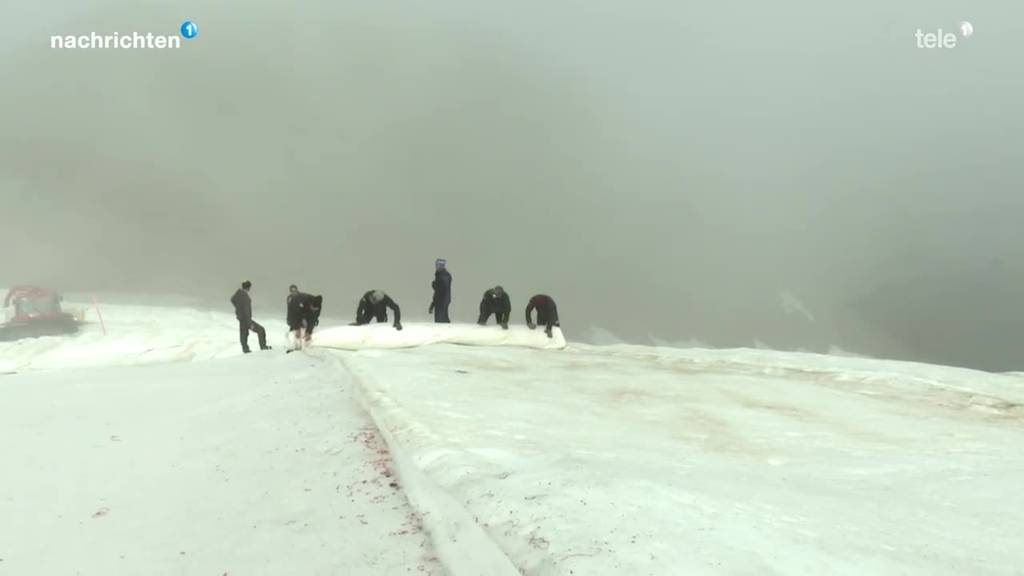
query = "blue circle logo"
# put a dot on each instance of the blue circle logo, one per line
(189, 30)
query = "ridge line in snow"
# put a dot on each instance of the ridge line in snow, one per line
(464, 548)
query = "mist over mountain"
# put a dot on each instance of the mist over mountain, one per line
(664, 171)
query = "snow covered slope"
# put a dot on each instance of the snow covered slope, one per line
(632, 460)
(160, 449)
(255, 465)
(135, 335)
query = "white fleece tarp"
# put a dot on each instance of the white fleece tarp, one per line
(383, 335)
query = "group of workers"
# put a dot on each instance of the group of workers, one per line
(495, 302)
(303, 310)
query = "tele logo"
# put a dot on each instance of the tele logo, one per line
(940, 39)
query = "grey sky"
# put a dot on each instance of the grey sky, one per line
(663, 170)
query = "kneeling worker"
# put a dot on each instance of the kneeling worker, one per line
(496, 302)
(374, 305)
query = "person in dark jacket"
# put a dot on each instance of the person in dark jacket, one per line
(294, 308)
(298, 313)
(243, 311)
(442, 286)
(547, 313)
(374, 305)
(311, 312)
(496, 302)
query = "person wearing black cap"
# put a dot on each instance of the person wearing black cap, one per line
(496, 302)
(442, 286)
(243, 311)
(547, 313)
(374, 305)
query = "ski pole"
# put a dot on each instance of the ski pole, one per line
(100, 314)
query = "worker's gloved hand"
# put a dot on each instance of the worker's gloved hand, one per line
(398, 325)
(548, 332)
(431, 309)
(505, 325)
(532, 326)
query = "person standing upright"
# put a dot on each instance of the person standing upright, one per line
(442, 285)
(243, 311)
(297, 306)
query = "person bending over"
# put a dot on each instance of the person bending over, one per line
(311, 314)
(496, 302)
(374, 305)
(547, 313)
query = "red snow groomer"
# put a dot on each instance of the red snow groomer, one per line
(36, 312)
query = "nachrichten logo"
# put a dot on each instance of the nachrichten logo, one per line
(125, 41)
